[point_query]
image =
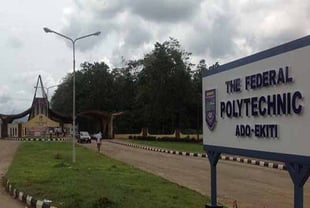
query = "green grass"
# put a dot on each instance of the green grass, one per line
(179, 146)
(44, 170)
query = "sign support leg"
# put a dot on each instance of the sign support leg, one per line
(299, 174)
(213, 159)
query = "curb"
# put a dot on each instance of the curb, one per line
(23, 197)
(41, 139)
(278, 166)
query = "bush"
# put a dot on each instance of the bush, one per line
(191, 131)
(166, 139)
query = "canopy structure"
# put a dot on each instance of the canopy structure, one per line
(42, 119)
(105, 119)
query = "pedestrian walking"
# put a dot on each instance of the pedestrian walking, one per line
(98, 137)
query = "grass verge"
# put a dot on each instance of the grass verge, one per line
(179, 146)
(44, 170)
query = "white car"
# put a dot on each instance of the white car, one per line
(84, 137)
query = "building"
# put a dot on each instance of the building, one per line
(42, 120)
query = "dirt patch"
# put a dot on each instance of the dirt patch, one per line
(7, 151)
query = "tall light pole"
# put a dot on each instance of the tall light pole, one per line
(73, 41)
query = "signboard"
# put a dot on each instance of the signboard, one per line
(259, 105)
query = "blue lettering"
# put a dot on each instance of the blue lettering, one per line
(296, 96)
(259, 80)
(247, 102)
(288, 110)
(272, 77)
(235, 113)
(253, 86)
(239, 104)
(281, 104)
(222, 108)
(247, 82)
(243, 130)
(254, 106)
(237, 131)
(280, 76)
(287, 77)
(257, 131)
(271, 103)
(262, 109)
(266, 130)
(265, 78)
(228, 109)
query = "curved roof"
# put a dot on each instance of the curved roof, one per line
(11, 117)
(58, 116)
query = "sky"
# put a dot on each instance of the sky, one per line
(214, 30)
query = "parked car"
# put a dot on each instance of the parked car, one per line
(84, 137)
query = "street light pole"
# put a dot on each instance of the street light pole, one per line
(73, 41)
(73, 105)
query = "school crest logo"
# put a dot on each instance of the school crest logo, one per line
(210, 108)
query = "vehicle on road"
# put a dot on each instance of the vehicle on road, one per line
(84, 137)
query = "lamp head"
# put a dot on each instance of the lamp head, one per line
(97, 33)
(47, 30)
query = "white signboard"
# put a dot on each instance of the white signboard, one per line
(260, 102)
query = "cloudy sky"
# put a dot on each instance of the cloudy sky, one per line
(214, 30)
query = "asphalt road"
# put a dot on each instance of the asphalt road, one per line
(252, 186)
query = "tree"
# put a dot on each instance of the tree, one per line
(61, 101)
(197, 84)
(160, 91)
(124, 91)
(93, 87)
(164, 87)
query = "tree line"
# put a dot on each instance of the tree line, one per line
(162, 91)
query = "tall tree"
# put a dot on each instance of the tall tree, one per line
(160, 92)
(197, 84)
(164, 86)
(124, 96)
(61, 101)
(93, 87)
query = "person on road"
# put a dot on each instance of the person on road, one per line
(98, 137)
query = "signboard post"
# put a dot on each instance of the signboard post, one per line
(213, 159)
(257, 106)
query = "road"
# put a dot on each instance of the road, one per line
(252, 186)
(7, 151)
